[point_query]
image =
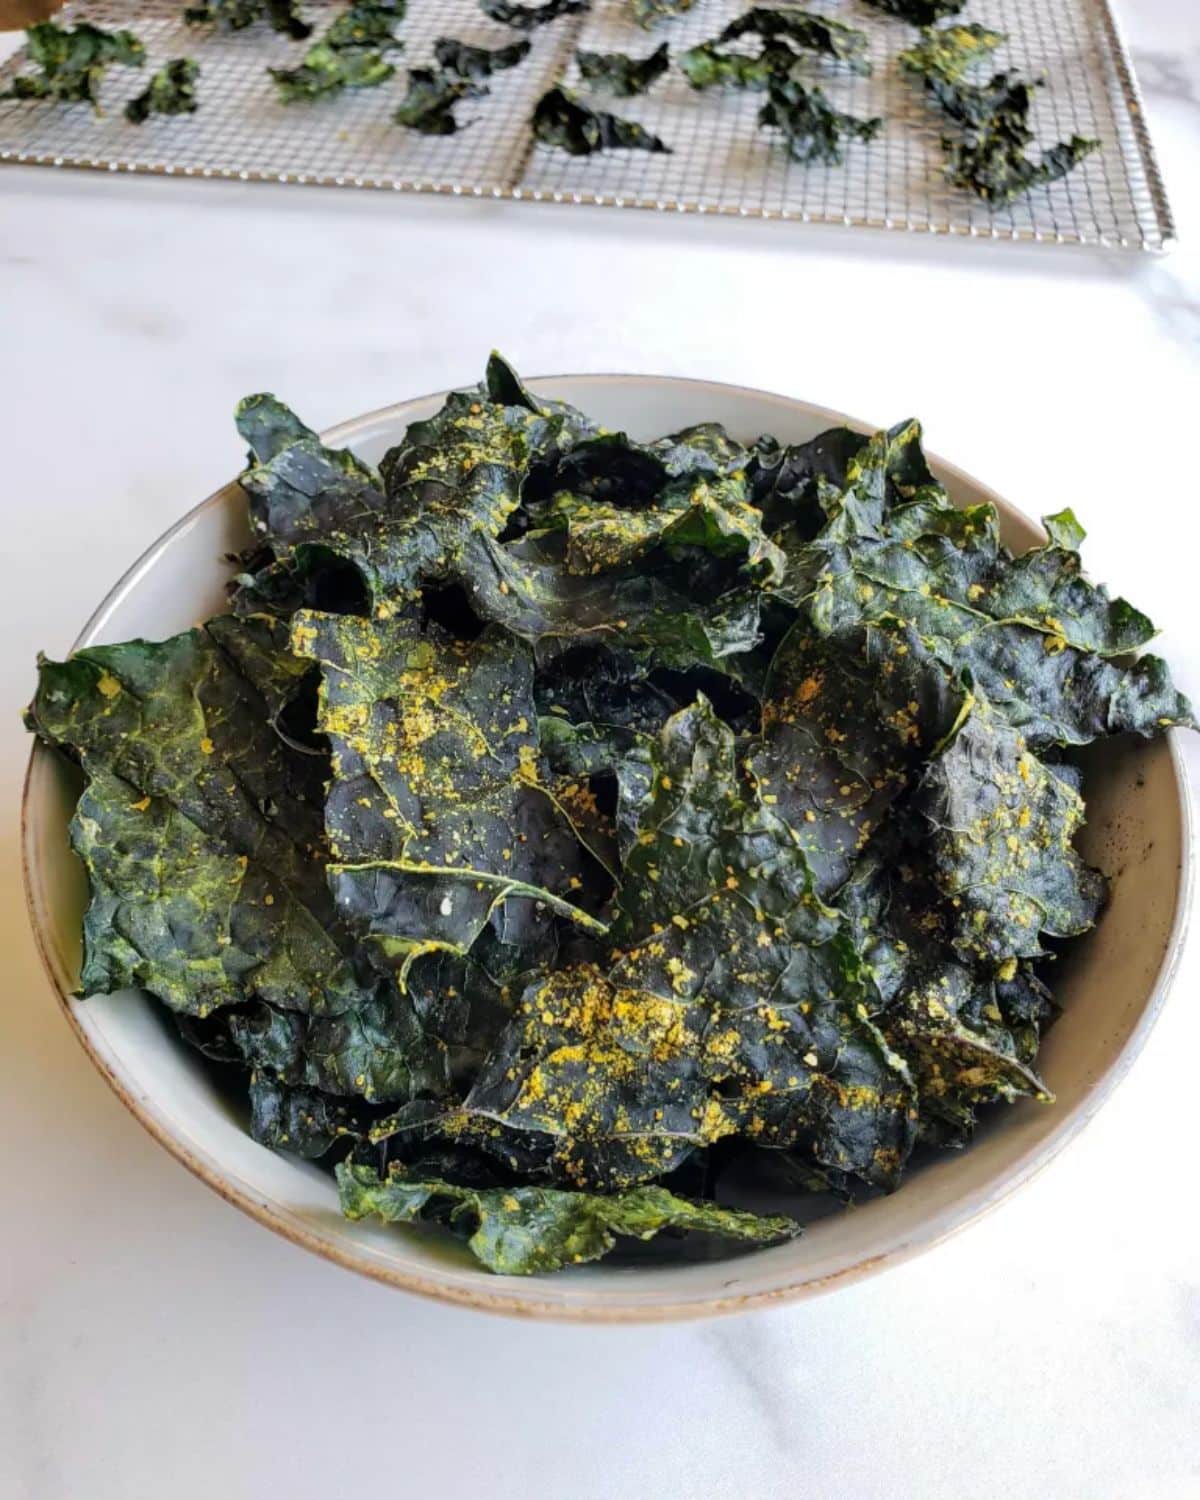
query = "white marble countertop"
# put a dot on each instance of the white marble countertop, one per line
(154, 1341)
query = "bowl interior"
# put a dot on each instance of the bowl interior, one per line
(1109, 988)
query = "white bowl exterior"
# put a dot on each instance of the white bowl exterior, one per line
(1110, 989)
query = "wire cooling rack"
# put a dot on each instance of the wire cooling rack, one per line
(721, 162)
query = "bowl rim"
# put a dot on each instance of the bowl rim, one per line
(517, 1302)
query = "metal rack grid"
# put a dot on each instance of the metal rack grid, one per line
(721, 162)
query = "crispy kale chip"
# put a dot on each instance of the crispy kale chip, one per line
(73, 61)
(477, 63)
(950, 52)
(519, 1231)
(439, 819)
(990, 159)
(561, 120)
(724, 1014)
(813, 129)
(236, 15)
(622, 75)
(529, 17)
(988, 144)
(706, 66)
(350, 54)
(367, 23)
(199, 825)
(328, 70)
(428, 106)
(919, 12)
(568, 832)
(806, 31)
(969, 1036)
(453, 481)
(1044, 644)
(171, 91)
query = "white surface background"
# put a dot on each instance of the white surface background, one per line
(155, 1342)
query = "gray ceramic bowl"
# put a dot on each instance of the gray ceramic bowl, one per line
(1111, 989)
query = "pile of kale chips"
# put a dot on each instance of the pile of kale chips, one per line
(559, 825)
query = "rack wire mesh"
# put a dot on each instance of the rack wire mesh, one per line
(721, 162)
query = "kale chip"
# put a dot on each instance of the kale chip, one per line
(428, 106)
(350, 54)
(477, 63)
(561, 120)
(622, 75)
(950, 52)
(705, 66)
(990, 159)
(171, 91)
(813, 129)
(563, 825)
(806, 31)
(528, 17)
(236, 15)
(366, 23)
(519, 1231)
(328, 70)
(73, 61)
(987, 148)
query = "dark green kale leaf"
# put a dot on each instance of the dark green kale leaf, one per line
(172, 91)
(301, 1121)
(788, 483)
(622, 75)
(969, 1036)
(950, 52)
(648, 13)
(394, 1046)
(367, 23)
(561, 120)
(1001, 831)
(703, 448)
(452, 480)
(524, 586)
(73, 61)
(989, 154)
(733, 1008)
(991, 165)
(576, 753)
(438, 820)
(428, 106)
(919, 12)
(477, 63)
(235, 15)
(348, 56)
(1035, 635)
(699, 511)
(812, 128)
(552, 428)
(527, 17)
(519, 1231)
(200, 829)
(846, 722)
(328, 70)
(807, 31)
(705, 66)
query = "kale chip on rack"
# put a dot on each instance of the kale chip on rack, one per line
(171, 91)
(622, 75)
(73, 61)
(562, 120)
